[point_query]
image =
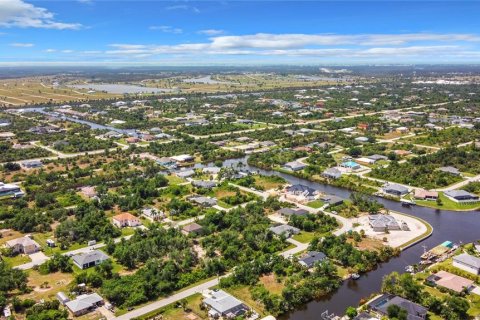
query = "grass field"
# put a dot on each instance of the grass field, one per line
(304, 237)
(448, 204)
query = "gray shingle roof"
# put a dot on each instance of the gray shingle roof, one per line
(88, 257)
(467, 259)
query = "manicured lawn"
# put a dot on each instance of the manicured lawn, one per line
(17, 260)
(316, 204)
(127, 231)
(304, 237)
(41, 238)
(448, 204)
(224, 205)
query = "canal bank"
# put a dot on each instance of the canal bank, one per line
(447, 225)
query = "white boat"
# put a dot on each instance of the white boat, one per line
(354, 276)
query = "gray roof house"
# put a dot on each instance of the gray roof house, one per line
(222, 304)
(286, 212)
(301, 190)
(461, 196)
(285, 230)
(84, 304)
(294, 166)
(204, 184)
(382, 222)
(377, 157)
(467, 262)
(332, 173)
(204, 201)
(451, 170)
(311, 258)
(414, 310)
(89, 259)
(395, 189)
(332, 200)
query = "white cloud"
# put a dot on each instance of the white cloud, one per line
(211, 32)
(167, 29)
(50, 50)
(183, 7)
(67, 51)
(18, 13)
(21, 45)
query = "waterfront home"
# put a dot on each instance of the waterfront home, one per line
(467, 262)
(183, 158)
(395, 189)
(89, 259)
(414, 311)
(84, 304)
(332, 200)
(24, 245)
(383, 222)
(125, 220)
(301, 193)
(311, 258)
(422, 194)
(185, 174)
(221, 304)
(294, 166)
(377, 157)
(450, 281)
(332, 173)
(461, 196)
(166, 162)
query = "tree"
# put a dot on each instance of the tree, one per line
(395, 312)
(351, 312)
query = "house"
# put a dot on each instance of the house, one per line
(24, 245)
(7, 135)
(383, 222)
(377, 157)
(32, 164)
(467, 262)
(311, 258)
(62, 297)
(152, 214)
(284, 230)
(84, 304)
(301, 192)
(401, 129)
(414, 311)
(332, 200)
(332, 173)
(395, 189)
(113, 134)
(204, 201)
(365, 160)
(422, 194)
(294, 166)
(461, 196)
(211, 170)
(132, 140)
(183, 158)
(192, 228)
(402, 153)
(185, 174)
(451, 170)
(88, 191)
(89, 259)
(221, 304)
(9, 190)
(125, 220)
(450, 281)
(361, 139)
(204, 184)
(287, 212)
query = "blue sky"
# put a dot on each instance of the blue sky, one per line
(237, 32)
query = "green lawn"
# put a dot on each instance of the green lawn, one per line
(17, 260)
(448, 204)
(173, 180)
(304, 237)
(316, 204)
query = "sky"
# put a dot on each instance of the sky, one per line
(121, 32)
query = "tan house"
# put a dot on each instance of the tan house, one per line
(23, 245)
(126, 220)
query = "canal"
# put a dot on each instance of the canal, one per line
(447, 225)
(459, 227)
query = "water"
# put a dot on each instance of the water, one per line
(447, 225)
(119, 88)
(205, 80)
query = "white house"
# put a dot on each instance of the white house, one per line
(467, 262)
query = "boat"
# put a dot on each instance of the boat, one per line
(409, 269)
(354, 276)
(407, 203)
